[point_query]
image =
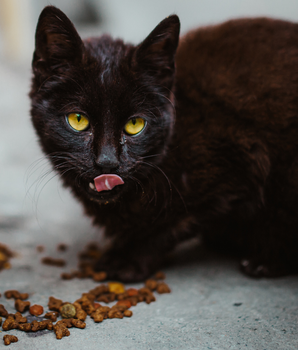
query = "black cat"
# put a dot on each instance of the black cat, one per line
(160, 146)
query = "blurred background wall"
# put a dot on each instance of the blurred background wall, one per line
(129, 19)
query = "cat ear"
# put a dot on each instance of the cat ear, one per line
(56, 41)
(156, 54)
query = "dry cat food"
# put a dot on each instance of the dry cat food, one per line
(87, 258)
(8, 339)
(53, 262)
(5, 255)
(74, 314)
(36, 310)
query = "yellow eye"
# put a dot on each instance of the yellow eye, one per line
(134, 126)
(78, 121)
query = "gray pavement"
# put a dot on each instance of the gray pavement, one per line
(212, 305)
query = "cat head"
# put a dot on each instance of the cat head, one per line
(103, 110)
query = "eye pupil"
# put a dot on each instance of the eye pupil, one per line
(134, 121)
(79, 118)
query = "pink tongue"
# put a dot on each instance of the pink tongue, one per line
(107, 182)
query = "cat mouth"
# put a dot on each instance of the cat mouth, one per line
(106, 185)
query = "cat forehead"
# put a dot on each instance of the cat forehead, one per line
(107, 50)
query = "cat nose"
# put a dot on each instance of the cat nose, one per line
(107, 160)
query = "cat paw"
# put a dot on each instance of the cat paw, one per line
(257, 268)
(126, 269)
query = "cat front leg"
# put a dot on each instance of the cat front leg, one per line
(136, 259)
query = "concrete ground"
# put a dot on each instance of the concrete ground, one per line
(212, 305)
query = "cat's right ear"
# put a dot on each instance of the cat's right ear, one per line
(57, 43)
(156, 54)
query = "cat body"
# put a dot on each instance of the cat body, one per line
(217, 152)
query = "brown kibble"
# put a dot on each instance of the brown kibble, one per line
(53, 262)
(125, 303)
(99, 276)
(61, 331)
(114, 313)
(25, 327)
(134, 300)
(162, 287)
(81, 315)
(3, 311)
(120, 308)
(37, 326)
(52, 316)
(54, 304)
(160, 276)
(62, 247)
(122, 296)
(20, 318)
(149, 298)
(36, 310)
(107, 298)
(145, 291)
(66, 322)
(5, 255)
(98, 316)
(132, 292)
(40, 248)
(8, 339)
(91, 297)
(0, 321)
(78, 323)
(102, 289)
(68, 311)
(151, 284)
(66, 276)
(9, 323)
(14, 294)
(21, 306)
(127, 313)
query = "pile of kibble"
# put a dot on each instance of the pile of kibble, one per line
(74, 314)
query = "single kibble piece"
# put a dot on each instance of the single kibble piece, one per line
(115, 287)
(162, 287)
(99, 276)
(10, 339)
(127, 313)
(62, 247)
(40, 248)
(25, 327)
(66, 276)
(54, 304)
(21, 305)
(61, 331)
(36, 310)
(78, 323)
(160, 276)
(125, 303)
(68, 311)
(53, 262)
(9, 323)
(151, 284)
(114, 313)
(20, 318)
(3, 311)
(52, 316)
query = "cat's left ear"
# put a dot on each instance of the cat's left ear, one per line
(156, 54)
(57, 43)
